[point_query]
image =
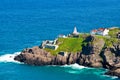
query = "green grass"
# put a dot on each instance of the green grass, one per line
(109, 42)
(74, 45)
(68, 45)
(113, 32)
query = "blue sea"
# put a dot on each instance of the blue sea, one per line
(26, 23)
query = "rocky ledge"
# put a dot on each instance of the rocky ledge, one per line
(37, 56)
(93, 54)
(114, 72)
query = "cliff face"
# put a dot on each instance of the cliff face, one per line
(37, 56)
(93, 54)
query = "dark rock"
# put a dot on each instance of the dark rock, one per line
(115, 72)
(94, 54)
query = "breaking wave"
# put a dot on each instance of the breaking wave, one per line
(9, 57)
(74, 66)
(78, 69)
(113, 77)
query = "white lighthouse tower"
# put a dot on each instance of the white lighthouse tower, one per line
(75, 31)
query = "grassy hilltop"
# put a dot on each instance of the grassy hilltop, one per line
(69, 44)
(73, 44)
(113, 32)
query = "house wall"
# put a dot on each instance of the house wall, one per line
(54, 47)
(100, 33)
(93, 33)
(106, 31)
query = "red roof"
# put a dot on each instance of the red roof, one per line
(94, 30)
(101, 29)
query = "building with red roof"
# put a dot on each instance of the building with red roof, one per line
(100, 31)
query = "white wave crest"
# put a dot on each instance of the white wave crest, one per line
(113, 77)
(75, 66)
(9, 57)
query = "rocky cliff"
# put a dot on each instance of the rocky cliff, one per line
(94, 54)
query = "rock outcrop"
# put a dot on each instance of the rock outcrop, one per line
(114, 72)
(37, 56)
(93, 54)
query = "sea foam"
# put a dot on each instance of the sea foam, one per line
(112, 77)
(9, 57)
(75, 66)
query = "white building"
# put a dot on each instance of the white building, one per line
(75, 32)
(105, 32)
(100, 31)
(49, 44)
(62, 36)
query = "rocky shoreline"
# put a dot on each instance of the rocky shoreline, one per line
(92, 55)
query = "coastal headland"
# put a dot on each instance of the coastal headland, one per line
(100, 49)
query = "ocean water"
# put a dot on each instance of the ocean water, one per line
(26, 23)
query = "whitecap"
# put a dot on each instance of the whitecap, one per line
(113, 77)
(9, 57)
(74, 66)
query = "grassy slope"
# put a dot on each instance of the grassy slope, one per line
(75, 44)
(68, 45)
(113, 32)
(108, 40)
(113, 37)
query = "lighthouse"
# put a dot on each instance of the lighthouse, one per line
(75, 31)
